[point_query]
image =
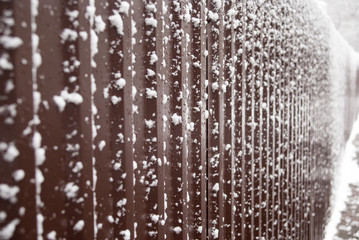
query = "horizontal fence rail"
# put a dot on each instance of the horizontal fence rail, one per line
(167, 119)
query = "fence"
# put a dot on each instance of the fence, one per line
(169, 119)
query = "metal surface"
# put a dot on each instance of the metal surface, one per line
(169, 119)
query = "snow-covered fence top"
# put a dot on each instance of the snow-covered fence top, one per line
(169, 119)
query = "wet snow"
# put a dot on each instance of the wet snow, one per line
(180, 101)
(116, 21)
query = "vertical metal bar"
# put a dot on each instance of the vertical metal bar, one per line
(142, 161)
(264, 116)
(239, 103)
(57, 140)
(160, 77)
(118, 92)
(249, 126)
(102, 132)
(167, 52)
(196, 122)
(16, 114)
(228, 95)
(244, 221)
(152, 105)
(215, 120)
(204, 123)
(85, 127)
(278, 126)
(185, 118)
(233, 71)
(272, 35)
(257, 121)
(174, 150)
(261, 134)
(274, 118)
(145, 95)
(285, 75)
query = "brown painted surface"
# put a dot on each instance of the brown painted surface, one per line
(168, 119)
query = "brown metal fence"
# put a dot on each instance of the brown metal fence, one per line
(166, 119)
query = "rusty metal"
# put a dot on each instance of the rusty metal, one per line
(168, 119)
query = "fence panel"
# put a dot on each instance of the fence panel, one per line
(174, 119)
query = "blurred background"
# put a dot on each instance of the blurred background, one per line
(344, 14)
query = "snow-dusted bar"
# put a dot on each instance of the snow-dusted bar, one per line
(168, 119)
